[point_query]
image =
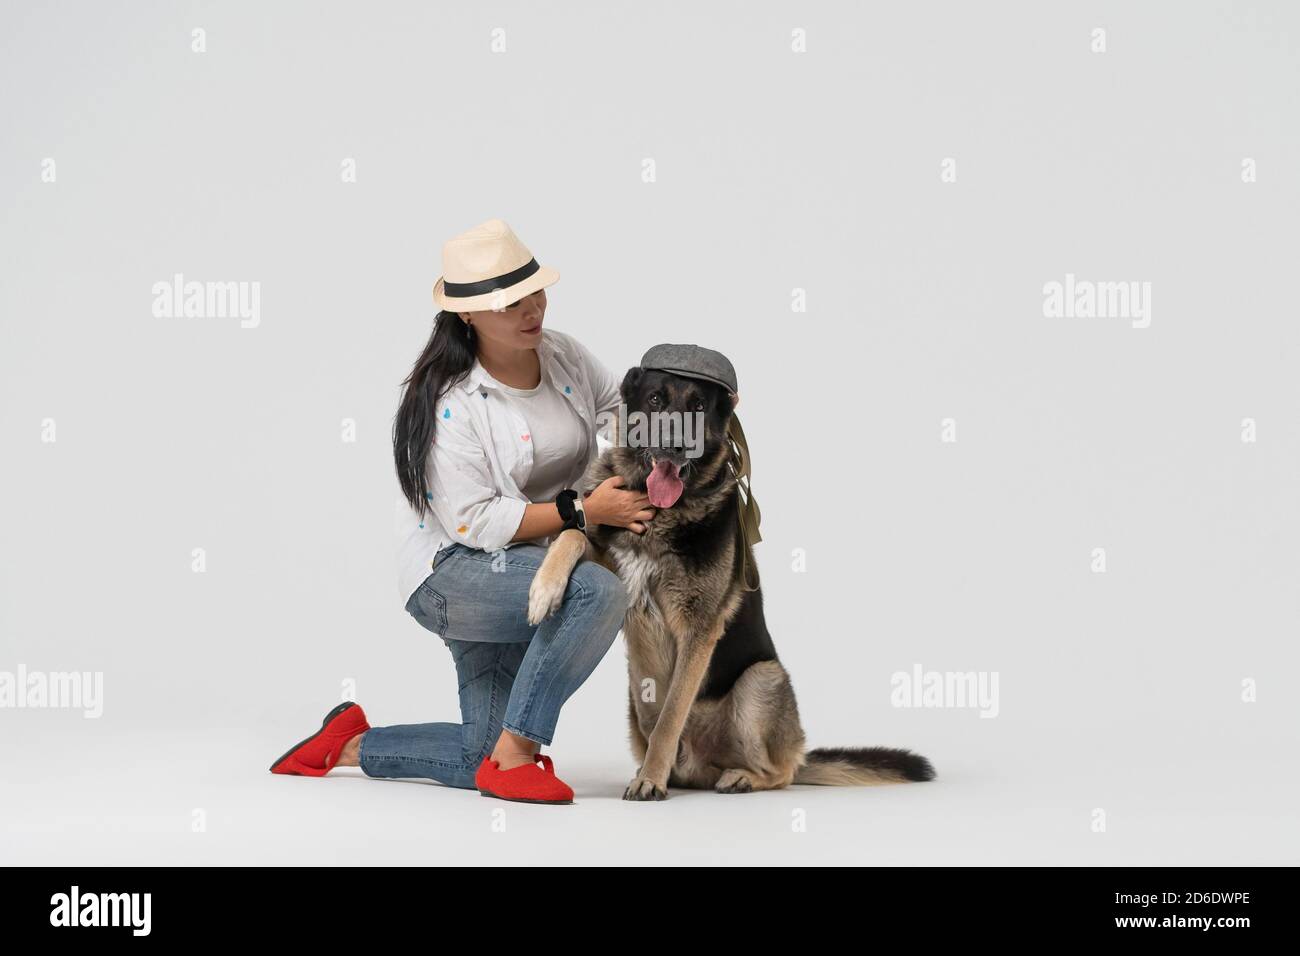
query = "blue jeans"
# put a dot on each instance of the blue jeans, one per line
(512, 675)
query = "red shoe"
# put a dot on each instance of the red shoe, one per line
(316, 756)
(526, 784)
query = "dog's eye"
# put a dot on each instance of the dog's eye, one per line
(698, 406)
(653, 401)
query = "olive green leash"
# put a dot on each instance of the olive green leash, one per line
(750, 515)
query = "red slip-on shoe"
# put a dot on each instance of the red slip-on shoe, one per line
(316, 756)
(526, 784)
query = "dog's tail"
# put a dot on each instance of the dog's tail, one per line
(862, 766)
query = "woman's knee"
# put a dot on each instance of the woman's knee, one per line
(601, 586)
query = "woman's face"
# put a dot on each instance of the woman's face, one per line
(517, 326)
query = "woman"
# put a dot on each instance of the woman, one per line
(498, 419)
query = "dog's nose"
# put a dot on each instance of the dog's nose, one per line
(676, 455)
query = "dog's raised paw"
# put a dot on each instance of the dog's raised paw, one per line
(734, 781)
(545, 595)
(643, 788)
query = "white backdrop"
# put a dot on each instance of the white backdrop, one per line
(862, 207)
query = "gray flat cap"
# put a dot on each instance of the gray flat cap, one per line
(693, 361)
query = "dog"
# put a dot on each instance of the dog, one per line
(709, 704)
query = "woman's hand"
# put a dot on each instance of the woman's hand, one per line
(609, 504)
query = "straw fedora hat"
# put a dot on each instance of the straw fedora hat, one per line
(488, 268)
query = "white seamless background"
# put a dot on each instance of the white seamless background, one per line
(775, 171)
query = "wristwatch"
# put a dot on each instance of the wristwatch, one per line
(569, 503)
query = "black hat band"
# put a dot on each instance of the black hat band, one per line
(464, 290)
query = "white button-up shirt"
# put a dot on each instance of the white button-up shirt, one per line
(482, 455)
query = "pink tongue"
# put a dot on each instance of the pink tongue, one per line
(663, 486)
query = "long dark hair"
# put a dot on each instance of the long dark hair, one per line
(444, 361)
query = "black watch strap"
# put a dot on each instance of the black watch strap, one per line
(570, 511)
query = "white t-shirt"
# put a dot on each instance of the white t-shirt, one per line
(558, 435)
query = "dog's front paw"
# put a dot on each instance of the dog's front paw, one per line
(643, 788)
(545, 595)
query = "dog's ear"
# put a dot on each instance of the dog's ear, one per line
(630, 382)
